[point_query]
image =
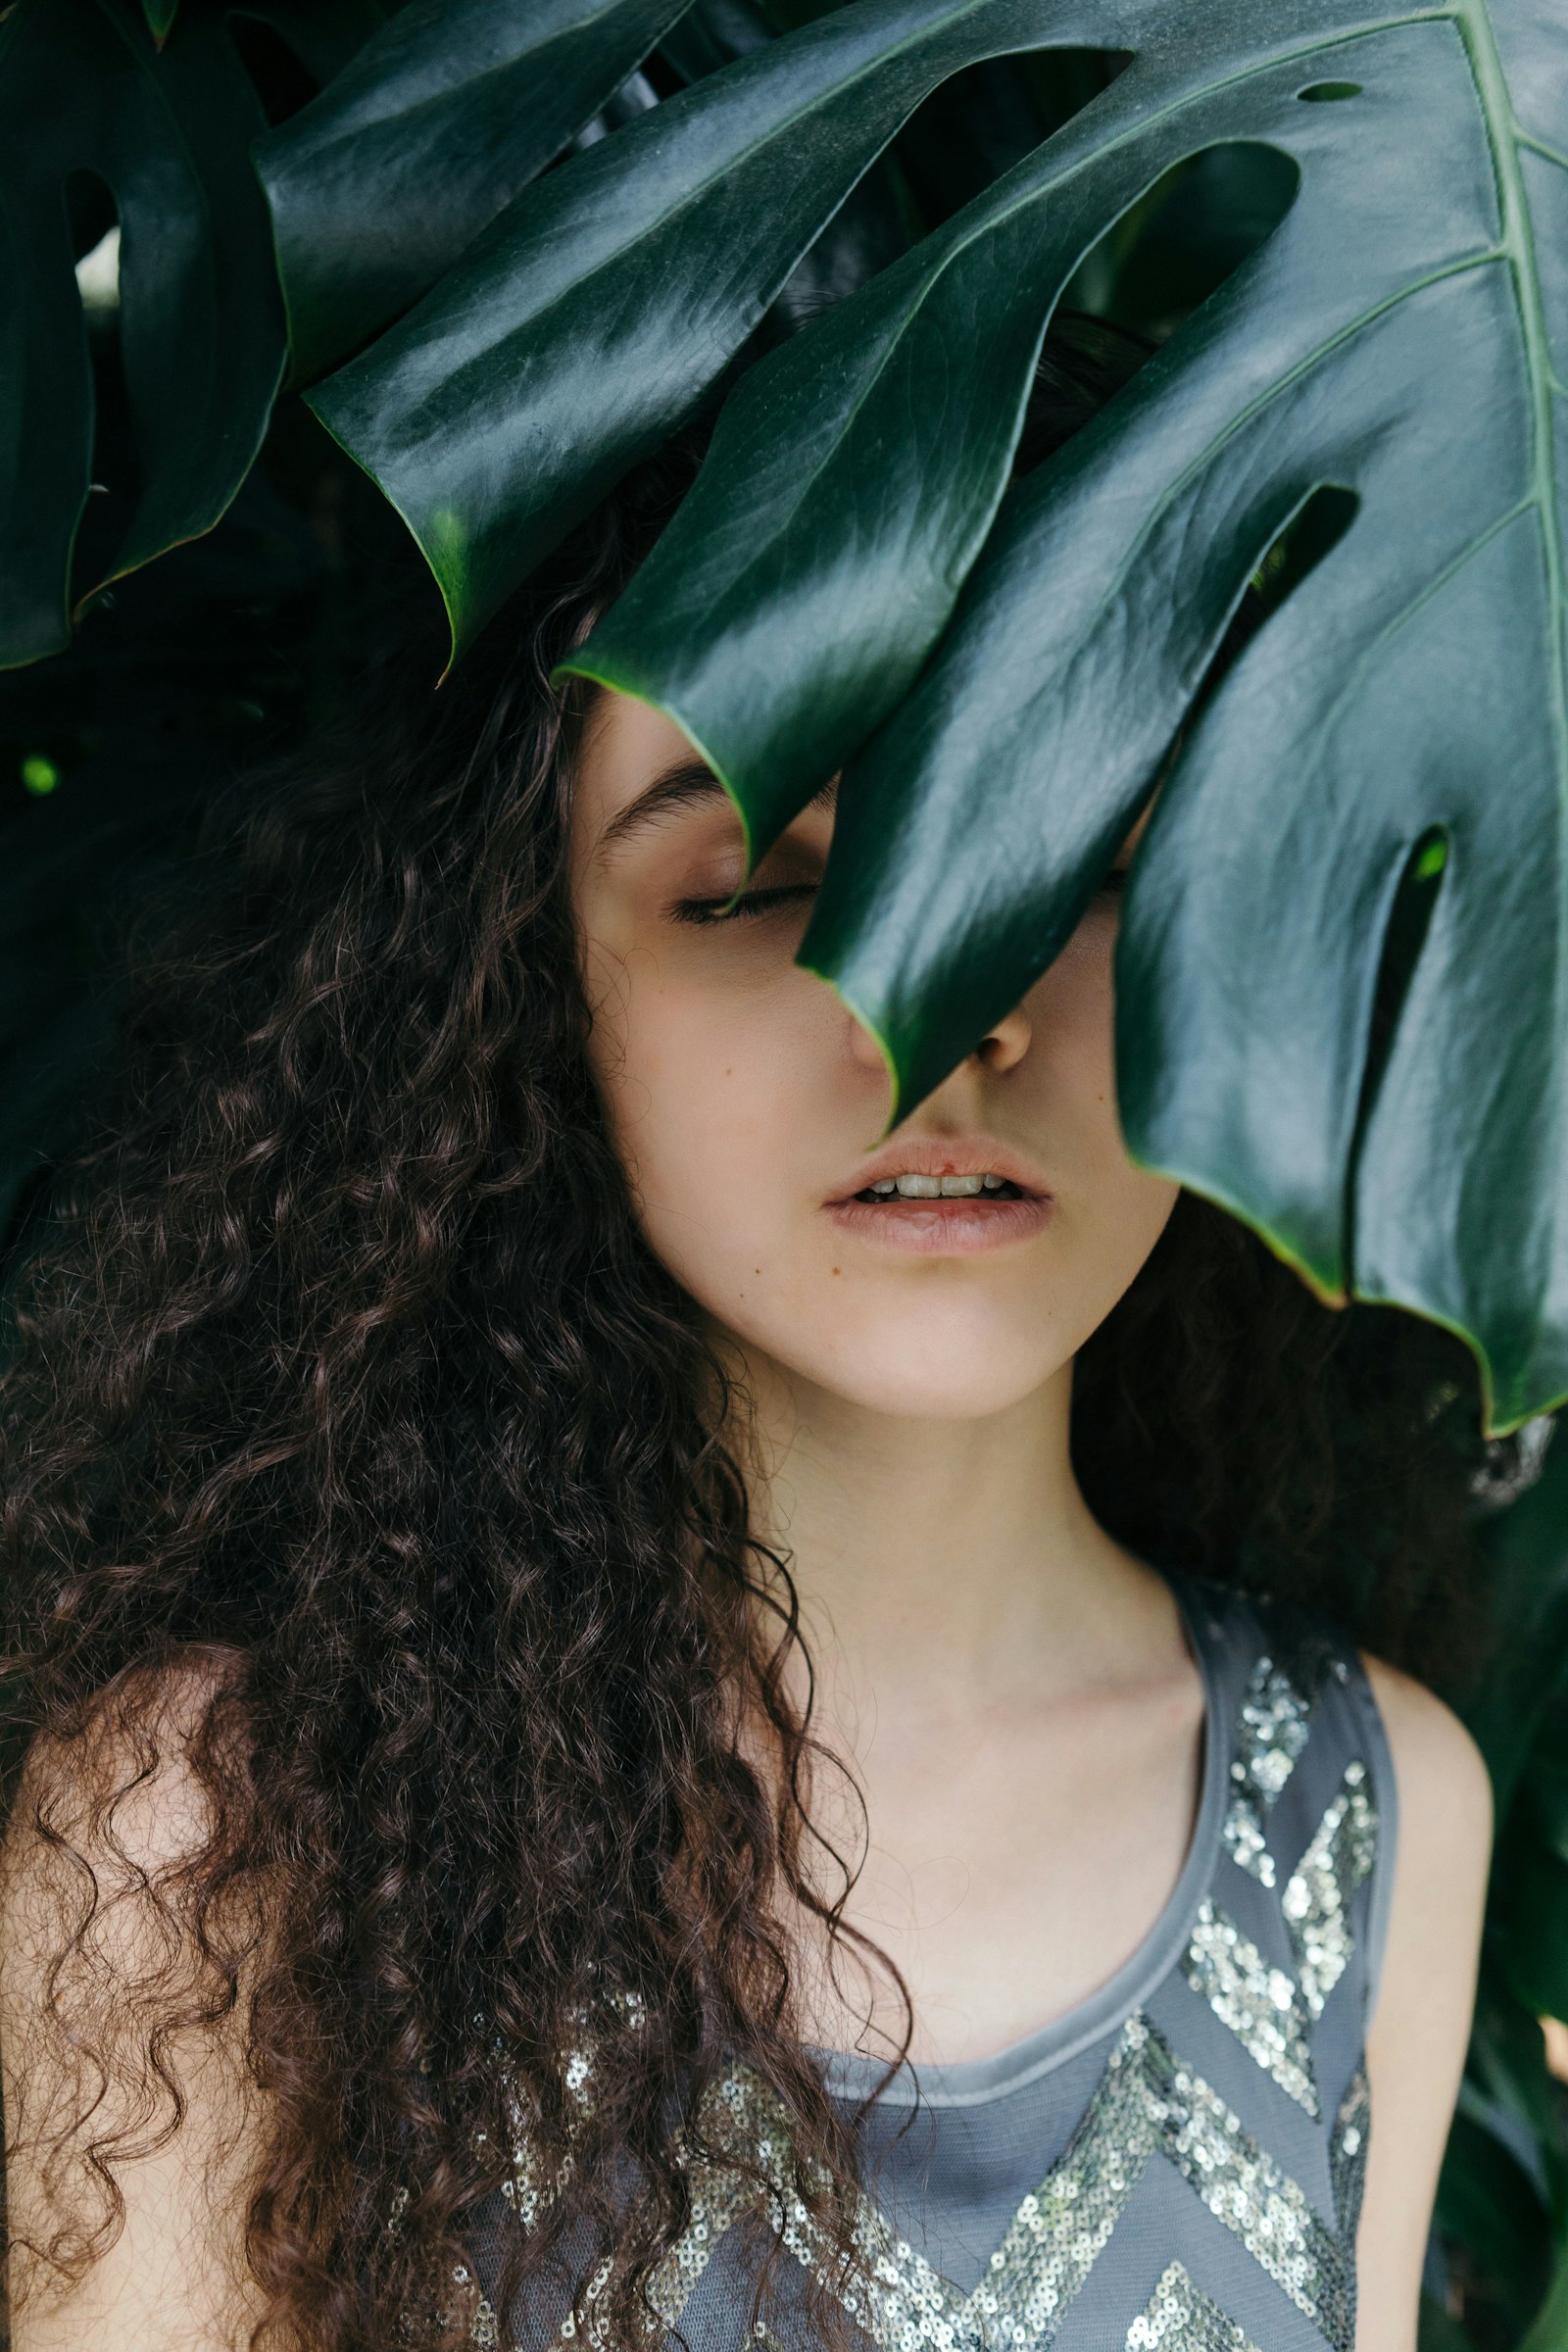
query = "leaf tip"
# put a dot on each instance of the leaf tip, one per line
(898, 1107)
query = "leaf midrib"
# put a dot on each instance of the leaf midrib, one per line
(1503, 133)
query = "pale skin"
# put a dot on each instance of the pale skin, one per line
(998, 1673)
(1002, 1675)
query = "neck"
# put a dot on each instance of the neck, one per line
(942, 1566)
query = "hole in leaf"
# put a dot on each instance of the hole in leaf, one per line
(986, 118)
(98, 275)
(1185, 236)
(90, 212)
(1329, 93)
(1315, 530)
(1410, 920)
(1085, 363)
(116, 469)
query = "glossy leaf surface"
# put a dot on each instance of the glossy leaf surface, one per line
(83, 89)
(378, 184)
(582, 325)
(1400, 337)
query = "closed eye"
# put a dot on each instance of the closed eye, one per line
(755, 901)
(765, 902)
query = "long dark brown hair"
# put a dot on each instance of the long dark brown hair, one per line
(352, 1435)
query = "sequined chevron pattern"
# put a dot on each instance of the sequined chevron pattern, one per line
(1261, 2004)
(1270, 1734)
(1316, 1902)
(1270, 2013)
(1181, 2318)
(1149, 2105)
(1347, 2154)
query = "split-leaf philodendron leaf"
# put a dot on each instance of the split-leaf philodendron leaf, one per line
(378, 184)
(1001, 674)
(580, 326)
(1403, 338)
(84, 89)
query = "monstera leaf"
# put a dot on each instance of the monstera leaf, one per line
(582, 324)
(847, 563)
(1002, 675)
(83, 89)
(377, 186)
(161, 112)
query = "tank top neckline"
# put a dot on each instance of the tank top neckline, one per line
(969, 2082)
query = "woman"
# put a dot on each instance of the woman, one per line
(614, 1726)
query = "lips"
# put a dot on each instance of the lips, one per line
(943, 1155)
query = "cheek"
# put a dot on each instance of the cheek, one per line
(718, 1100)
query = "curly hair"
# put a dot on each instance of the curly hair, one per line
(346, 1400)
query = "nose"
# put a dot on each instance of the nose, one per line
(1005, 1042)
(1003, 1048)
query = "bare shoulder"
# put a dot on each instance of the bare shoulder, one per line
(1420, 2023)
(1444, 1791)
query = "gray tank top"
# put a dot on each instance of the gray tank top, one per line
(1176, 2164)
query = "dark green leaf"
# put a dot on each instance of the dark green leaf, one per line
(1537, 1952)
(1437, 2332)
(585, 322)
(82, 89)
(1549, 2331)
(793, 600)
(379, 183)
(1507, 2077)
(1398, 332)
(159, 16)
(868, 230)
(1527, 1607)
(713, 34)
(1487, 2202)
(1546, 1792)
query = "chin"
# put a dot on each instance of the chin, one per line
(922, 1375)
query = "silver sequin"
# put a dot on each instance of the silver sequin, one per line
(1271, 1733)
(1180, 2318)
(1261, 2003)
(1347, 2154)
(1316, 1901)
(1245, 2189)
(1149, 2104)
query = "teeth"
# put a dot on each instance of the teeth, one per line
(937, 1188)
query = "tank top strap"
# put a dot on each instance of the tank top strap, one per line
(1296, 1918)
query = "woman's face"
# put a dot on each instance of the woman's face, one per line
(743, 1097)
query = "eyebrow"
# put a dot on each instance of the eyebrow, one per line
(684, 785)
